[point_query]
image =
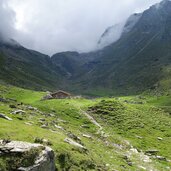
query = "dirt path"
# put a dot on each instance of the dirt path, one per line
(141, 160)
(91, 119)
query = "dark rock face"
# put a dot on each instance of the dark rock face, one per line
(43, 156)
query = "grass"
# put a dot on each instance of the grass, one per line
(133, 121)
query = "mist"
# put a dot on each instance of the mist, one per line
(7, 18)
(64, 25)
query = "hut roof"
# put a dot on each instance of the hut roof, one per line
(61, 91)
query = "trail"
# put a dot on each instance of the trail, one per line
(91, 119)
(139, 159)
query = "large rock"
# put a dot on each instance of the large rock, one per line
(44, 159)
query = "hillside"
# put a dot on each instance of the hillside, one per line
(139, 60)
(129, 133)
(27, 68)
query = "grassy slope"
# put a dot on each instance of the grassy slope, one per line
(123, 120)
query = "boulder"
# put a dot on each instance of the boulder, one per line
(44, 159)
(5, 117)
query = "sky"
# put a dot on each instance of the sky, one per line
(52, 26)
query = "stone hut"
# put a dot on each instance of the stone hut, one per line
(60, 95)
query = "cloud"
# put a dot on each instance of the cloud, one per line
(63, 25)
(7, 18)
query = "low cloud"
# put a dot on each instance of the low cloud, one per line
(7, 18)
(64, 25)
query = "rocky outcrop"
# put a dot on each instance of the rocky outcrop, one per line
(37, 156)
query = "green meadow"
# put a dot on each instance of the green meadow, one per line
(133, 129)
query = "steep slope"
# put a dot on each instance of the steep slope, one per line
(113, 33)
(140, 59)
(27, 68)
(70, 62)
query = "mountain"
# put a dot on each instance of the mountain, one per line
(113, 33)
(138, 61)
(27, 68)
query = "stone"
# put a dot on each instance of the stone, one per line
(59, 127)
(5, 117)
(12, 106)
(129, 163)
(72, 142)
(85, 126)
(126, 158)
(31, 108)
(142, 167)
(60, 120)
(51, 115)
(54, 131)
(27, 123)
(41, 122)
(3, 100)
(47, 97)
(44, 126)
(139, 137)
(46, 142)
(45, 160)
(42, 119)
(87, 136)
(151, 152)
(74, 137)
(42, 141)
(161, 158)
(159, 138)
(18, 112)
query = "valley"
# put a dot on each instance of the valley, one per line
(104, 110)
